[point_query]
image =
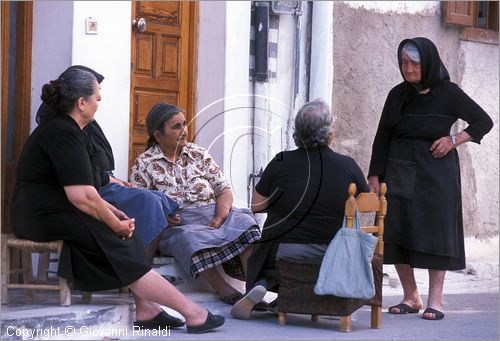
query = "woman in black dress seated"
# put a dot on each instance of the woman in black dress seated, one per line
(303, 192)
(151, 222)
(56, 198)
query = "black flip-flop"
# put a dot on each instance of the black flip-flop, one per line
(438, 315)
(403, 309)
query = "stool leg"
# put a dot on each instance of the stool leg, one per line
(27, 271)
(64, 292)
(345, 323)
(376, 317)
(5, 270)
(86, 296)
(281, 318)
(43, 266)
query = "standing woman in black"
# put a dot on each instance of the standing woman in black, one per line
(414, 153)
(56, 198)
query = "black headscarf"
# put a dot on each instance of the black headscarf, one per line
(432, 69)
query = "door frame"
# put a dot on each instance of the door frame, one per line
(22, 98)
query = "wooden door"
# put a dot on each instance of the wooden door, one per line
(163, 63)
(16, 89)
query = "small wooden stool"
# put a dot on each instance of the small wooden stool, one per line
(10, 241)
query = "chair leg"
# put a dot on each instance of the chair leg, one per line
(64, 292)
(281, 318)
(345, 324)
(5, 270)
(314, 318)
(376, 317)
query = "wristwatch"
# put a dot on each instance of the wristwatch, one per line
(453, 140)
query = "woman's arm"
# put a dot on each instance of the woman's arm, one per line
(259, 202)
(87, 200)
(223, 204)
(121, 182)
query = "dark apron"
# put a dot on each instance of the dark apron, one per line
(424, 199)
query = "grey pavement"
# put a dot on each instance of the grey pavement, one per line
(470, 316)
(471, 308)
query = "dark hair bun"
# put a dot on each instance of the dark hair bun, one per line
(51, 93)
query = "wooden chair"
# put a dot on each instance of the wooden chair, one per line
(297, 280)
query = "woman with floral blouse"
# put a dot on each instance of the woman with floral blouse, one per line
(208, 230)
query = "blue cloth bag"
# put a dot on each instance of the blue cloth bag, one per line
(346, 269)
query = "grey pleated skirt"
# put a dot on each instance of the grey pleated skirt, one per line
(198, 247)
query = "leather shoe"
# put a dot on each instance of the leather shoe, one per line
(162, 320)
(212, 322)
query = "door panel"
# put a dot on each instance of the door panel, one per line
(162, 63)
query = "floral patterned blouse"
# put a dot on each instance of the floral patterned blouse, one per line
(194, 180)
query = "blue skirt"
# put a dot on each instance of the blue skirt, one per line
(149, 208)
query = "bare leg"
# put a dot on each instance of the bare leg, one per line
(217, 282)
(145, 310)
(244, 257)
(154, 288)
(410, 291)
(436, 283)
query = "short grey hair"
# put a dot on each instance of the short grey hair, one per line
(412, 51)
(313, 124)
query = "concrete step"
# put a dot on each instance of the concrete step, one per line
(44, 318)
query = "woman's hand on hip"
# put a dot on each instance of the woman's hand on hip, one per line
(374, 184)
(441, 147)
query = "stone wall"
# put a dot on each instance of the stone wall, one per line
(365, 69)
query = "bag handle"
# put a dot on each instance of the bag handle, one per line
(355, 223)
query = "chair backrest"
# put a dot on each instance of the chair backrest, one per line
(365, 203)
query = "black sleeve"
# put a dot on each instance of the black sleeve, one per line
(468, 110)
(265, 185)
(381, 143)
(70, 159)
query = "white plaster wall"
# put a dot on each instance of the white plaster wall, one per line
(480, 81)
(108, 52)
(412, 7)
(52, 40)
(237, 102)
(209, 121)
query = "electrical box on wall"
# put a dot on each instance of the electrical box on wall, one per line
(91, 26)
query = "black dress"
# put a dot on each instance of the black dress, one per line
(93, 257)
(423, 226)
(307, 189)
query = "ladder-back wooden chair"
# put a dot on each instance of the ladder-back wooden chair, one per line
(297, 280)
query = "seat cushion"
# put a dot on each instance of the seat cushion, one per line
(296, 291)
